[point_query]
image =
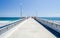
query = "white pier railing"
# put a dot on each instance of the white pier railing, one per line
(9, 26)
(51, 24)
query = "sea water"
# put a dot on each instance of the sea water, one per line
(52, 18)
(7, 20)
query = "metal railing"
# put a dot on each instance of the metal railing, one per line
(9, 26)
(52, 25)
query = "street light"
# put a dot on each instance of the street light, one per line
(21, 8)
(36, 13)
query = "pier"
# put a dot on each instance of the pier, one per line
(28, 28)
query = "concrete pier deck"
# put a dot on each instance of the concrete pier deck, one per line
(29, 29)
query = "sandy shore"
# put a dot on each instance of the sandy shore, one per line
(2, 23)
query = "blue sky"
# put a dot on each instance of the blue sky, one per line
(41, 8)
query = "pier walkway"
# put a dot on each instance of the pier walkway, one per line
(29, 28)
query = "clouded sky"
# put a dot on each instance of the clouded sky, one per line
(41, 8)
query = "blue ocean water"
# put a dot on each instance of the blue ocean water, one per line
(52, 18)
(9, 18)
(16, 18)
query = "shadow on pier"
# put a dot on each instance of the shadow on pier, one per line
(51, 30)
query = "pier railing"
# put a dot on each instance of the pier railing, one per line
(54, 26)
(9, 26)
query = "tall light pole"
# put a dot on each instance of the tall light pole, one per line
(36, 13)
(21, 8)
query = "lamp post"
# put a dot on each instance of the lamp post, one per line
(36, 14)
(21, 8)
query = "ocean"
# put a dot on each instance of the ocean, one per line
(52, 18)
(7, 20)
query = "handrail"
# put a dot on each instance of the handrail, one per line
(52, 25)
(9, 26)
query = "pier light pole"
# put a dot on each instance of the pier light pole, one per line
(21, 8)
(36, 14)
